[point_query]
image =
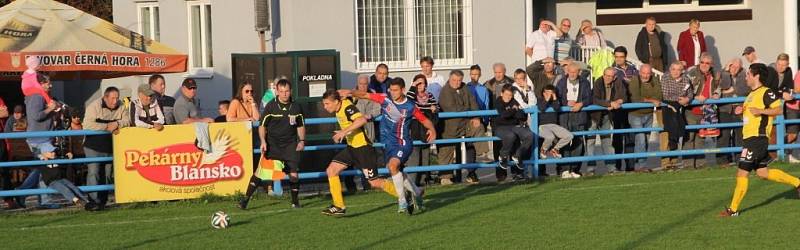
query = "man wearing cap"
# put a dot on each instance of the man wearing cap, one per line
(146, 113)
(750, 55)
(186, 106)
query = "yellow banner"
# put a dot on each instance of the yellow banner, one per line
(182, 161)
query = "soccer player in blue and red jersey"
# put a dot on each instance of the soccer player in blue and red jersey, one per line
(397, 113)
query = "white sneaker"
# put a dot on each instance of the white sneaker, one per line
(793, 160)
(566, 175)
(574, 175)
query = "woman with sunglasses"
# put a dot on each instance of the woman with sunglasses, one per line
(243, 107)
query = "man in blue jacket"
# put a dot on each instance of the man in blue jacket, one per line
(483, 98)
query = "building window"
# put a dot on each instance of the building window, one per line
(399, 32)
(645, 6)
(149, 20)
(200, 53)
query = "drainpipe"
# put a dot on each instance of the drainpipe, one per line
(790, 31)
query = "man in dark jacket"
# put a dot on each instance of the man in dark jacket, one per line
(609, 91)
(379, 82)
(574, 92)
(455, 97)
(651, 45)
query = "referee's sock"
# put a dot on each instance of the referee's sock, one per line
(738, 193)
(295, 192)
(252, 186)
(778, 175)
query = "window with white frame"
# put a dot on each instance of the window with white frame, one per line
(400, 32)
(149, 20)
(200, 53)
(640, 6)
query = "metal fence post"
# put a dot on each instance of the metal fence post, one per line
(780, 133)
(534, 168)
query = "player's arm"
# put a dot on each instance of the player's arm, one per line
(358, 120)
(775, 107)
(427, 124)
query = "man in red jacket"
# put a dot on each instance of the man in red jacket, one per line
(691, 43)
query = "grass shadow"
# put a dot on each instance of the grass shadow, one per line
(656, 232)
(791, 194)
(370, 211)
(408, 232)
(171, 236)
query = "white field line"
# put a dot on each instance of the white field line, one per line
(124, 222)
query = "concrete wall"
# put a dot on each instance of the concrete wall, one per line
(725, 39)
(232, 32)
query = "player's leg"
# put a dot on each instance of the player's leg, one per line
(779, 176)
(749, 159)
(335, 186)
(738, 193)
(393, 164)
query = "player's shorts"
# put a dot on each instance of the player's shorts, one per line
(396, 151)
(361, 157)
(754, 153)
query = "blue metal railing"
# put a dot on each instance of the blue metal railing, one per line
(534, 163)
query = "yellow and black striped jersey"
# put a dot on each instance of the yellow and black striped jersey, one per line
(345, 116)
(759, 125)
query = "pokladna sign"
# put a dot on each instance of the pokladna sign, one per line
(182, 161)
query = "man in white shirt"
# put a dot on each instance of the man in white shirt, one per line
(541, 43)
(435, 81)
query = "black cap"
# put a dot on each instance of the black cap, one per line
(189, 83)
(748, 50)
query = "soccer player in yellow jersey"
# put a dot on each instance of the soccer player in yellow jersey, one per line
(359, 152)
(760, 108)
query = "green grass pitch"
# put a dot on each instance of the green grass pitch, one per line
(663, 210)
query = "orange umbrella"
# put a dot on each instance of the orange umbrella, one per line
(72, 44)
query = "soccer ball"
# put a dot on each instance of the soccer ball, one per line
(220, 220)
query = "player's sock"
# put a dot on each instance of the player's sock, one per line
(336, 191)
(388, 187)
(409, 185)
(397, 179)
(738, 193)
(295, 192)
(778, 175)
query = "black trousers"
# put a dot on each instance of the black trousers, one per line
(571, 122)
(623, 143)
(674, 123)
(729, 137)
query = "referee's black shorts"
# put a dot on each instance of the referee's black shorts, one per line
(362, 157)
(754, 153)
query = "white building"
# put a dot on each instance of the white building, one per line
(457, 33)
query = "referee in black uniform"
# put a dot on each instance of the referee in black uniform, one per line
(283, 135)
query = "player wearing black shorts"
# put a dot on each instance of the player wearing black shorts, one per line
(758, 112)
(359, 152)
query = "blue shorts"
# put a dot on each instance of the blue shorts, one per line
(396, 151)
